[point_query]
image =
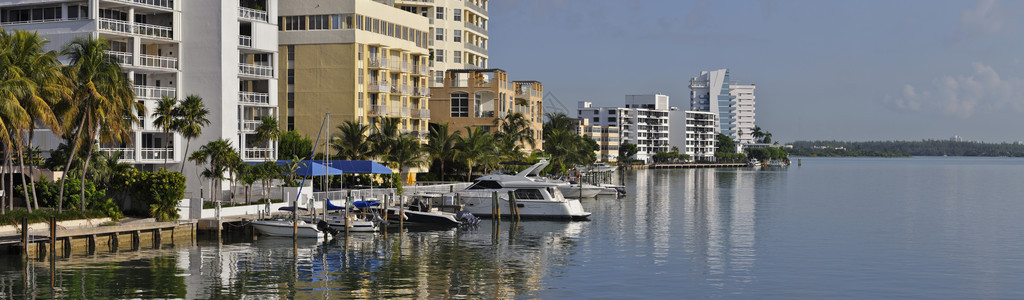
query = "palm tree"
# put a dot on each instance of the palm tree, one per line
(385, 132)
(441, 144)
(558, 120)
(103, 103)
(515, 128)
(757, 134)
(405, 154)
(190, 119)
(352, 143)
(477, 144)
(268, 131)
(43, 70)
(217, 156)
(164, 117)
(13, 87)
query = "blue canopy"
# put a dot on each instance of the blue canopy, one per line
(310, 168)
(359, 166)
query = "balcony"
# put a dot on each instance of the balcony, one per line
(404, 112)
(476, 9)
(377, 63)
(379, 110)
(251, 125)
(115, 25)
(258, 154)
(157, 31)
(478, 29)
(380, 87)
(157, 154)
(394, 65)
(407, 89)
(253, 98)
(421, 91)
(476, 48)
(255, 70)
(127, 154)
(245, 41)
(252, 14)
(123, 58)
(166, 4)
(164, 62)
(421, 113)
(154, 92)
(420, 70)
(405, 67)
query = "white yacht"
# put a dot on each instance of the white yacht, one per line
(283, 227)
(569, 190)
(534, 199)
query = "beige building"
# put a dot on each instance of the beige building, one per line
(480, 97)
(458, 33)
(606, 136)
(357, 60)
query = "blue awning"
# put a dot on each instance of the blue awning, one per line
(358, 166)
(309, 168)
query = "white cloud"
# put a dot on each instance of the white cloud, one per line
(984, 90)
(988, 17)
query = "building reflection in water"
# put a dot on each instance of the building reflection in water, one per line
(720, 228)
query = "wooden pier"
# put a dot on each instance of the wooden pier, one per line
(90, 240)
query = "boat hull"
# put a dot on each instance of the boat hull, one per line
(571, 209)
(573, 191)
(424, 218)
(337, 222)
(287, 229)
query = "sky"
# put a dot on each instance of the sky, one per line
(824, 70)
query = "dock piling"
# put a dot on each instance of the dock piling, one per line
(24, 236)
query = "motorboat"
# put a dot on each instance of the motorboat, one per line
(612, 190)
(533, 198)
(570, 190)
(423, 210)
(359, 219)
(284, 227)
(598, 167)
(753, 163)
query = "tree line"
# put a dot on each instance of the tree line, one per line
(906, 148)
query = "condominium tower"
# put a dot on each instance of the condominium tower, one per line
(357, 60)
(458, 33)
(712, 91)
(644, 122)
(224, 53)
(480, 97)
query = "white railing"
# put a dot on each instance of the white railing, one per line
(421, 113)
(476, 48)
(245, 41)
(34, 21)
(251, 125)
(252, 97)
(115, 25)
(475, 27)
(422, 91)
(256, 70)
(252, 14)
(152, 92)
(154, 30)
(376, 62)
(406, 89)
(405, 67)
(158, 3)
(158, 61)
(419, 69)
(394, 65)
(404, 112)
(258, 153)
(379, 110)
(380, 86)
(157, 153)
(123, 58)
(126, 153)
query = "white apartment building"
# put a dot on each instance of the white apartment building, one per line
(224, 53)
(644, 122)
(712, 91)
(699, 138)
(458, 33)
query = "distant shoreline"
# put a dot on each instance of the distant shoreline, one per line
(904, 149)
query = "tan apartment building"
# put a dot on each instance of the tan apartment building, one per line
(357, 60)
(606, 136)
(480, 97)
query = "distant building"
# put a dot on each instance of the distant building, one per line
(698, 138)
(644, 121)
(956, 138)
(607, 137)
(712, 91)
(480, 97)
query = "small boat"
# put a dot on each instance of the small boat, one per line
(360, 219)
(611, 189)
(283, 227)
(423, 211)
(753, 163)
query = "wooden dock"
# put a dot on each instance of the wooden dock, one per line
(102, 238)
(696, 166)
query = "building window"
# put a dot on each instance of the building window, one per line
(456, 14)
(457, 57)
(291, 53)
(319, 22)
(360, 57)
(611, 119)
(460, 105)
(439, 77)
(439, 34)
(291, 76)
(360, 75)
(291, 123)
(295, 23)
(291, 100)
(439, 55)
(440, 13)
(457, 36)
(596, 119)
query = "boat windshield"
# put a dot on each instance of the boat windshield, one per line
(485, 185)
(533, 194)
(555, 193)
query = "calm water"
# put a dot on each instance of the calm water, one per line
(860, 228)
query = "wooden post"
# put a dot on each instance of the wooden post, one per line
(401, 213)
(24, 236)
(496, 205)
(53, 235)
(513, 205)
(347, 201)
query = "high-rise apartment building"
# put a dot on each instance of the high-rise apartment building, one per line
(644, 122)
(458, 33)
(357, 60)
(712, 91)
(480, 97)
(606, 136)
(224, 53)
(698, 138)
